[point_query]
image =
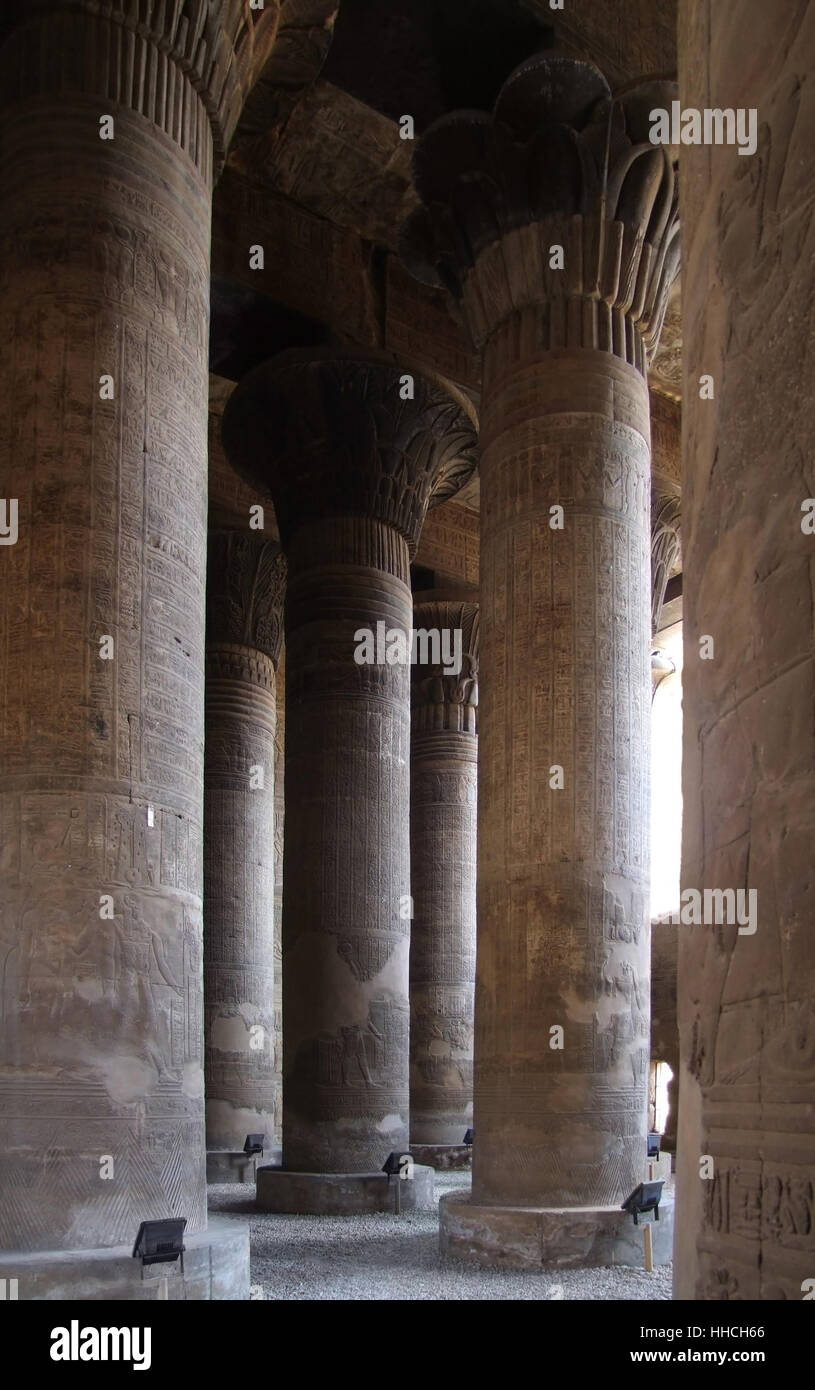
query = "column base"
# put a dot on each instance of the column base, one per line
(342, 1194)
(216, 1266)
(443, 1157)
(233, 1165)
(538, 1238)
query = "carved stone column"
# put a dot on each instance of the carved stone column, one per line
(113, 120)
(279, 828)
(245, 587)
(747, 996)
(352, 451)
(443, 751)
(553, 224)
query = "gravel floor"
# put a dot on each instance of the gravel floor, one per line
(397, 1257)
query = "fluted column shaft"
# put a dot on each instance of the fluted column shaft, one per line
(244, 631)
(443, 767)
(104, 284)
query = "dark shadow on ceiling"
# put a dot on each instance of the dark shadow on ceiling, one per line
(425, 57)
(246, 328)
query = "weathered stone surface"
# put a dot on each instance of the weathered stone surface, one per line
(443, 1158)
(666, 509)
(443, 766)
(279, 824)
(231, 498)
(534, 1238)
(626, 39)
(186, 69)
(310, 265)
(224, 1165)
(665, 375)
(747, 1009)
(352, 467)
(339, 159)
(303, 38)
(104, 269)
(563, 873)
(216, 1266)
(342, 1194)
(245, 587)
(559, 163)
(664, 1022)
(449, 544)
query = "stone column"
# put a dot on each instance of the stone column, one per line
(279, 831)
(114, 119)
(554, 225)
(245, 586)
(352, 451)
(747, 998)
(443, 750)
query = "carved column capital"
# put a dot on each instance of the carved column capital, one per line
(439, 699)
(334, 436)
(145, 57)
(559, 163)
(246, 583)
(666, 502)
(666, 512)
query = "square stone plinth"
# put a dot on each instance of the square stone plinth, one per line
(216, 1266)
(342, 1194)
(539, 1238)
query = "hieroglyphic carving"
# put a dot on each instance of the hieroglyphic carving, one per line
(338, 158)
(746, 1013)
(439, 699)
(417, 449)
(245, 588)
(563, 865)
(352, 467)
(317, 269)
(443, 876)
(449, 543)
(246, 578)
(104, 269)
